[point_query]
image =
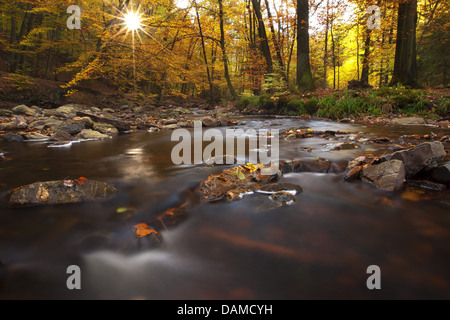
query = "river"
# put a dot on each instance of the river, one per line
(317, 248)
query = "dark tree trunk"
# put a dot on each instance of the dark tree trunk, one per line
(405, 65)
(224, 53)
(264, 43)
(366, 61)
(276, 43)
(304, 75)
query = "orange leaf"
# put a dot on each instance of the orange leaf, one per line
(81, 180)
(142, 229)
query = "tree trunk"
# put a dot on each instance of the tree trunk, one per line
(211, 92)
(304, 75)
(325, 54)
(264, 43)
(366, 63)
(405, 64)
(276, 43)
(224, 53)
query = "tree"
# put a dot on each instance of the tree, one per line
(224, 53)
(405, 64)
(304, 75)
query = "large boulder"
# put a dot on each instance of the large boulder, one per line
(388, 176)
(441, 174)
(425, 156)
(23, 110)
(60, 192)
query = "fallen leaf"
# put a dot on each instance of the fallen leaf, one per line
(142, 229)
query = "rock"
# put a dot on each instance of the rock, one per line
(36, 136)
(169, 121)
(20, 122)
(89, 134)
(441, 174)
(61, 135)
(38, 124)
(356, 166)
(388, 176)
(353, 173)
(60, 192)
(23, 110)
(424, 156)
(96, 110)
(12, 137)
(182, 124)
(72, 128)
(223, 121)
(426, 185)
(285, 198)
(409, 120)
(5, 113)
(108, 110)
(53, 124)
(86, 121)
(232, 182)
(67, 110)
(119, 124)
(106, 128)
(170, 127)
(7, 126)
(276, 187)
(209, 122)
(316, 165)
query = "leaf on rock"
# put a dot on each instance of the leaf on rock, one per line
(142, 230)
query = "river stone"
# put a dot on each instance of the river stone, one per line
(7, 126)
(5, 113)
(72, 128)
(20, 122)
(38, 124)
(210, 122)
(67, 110)
(316, 165)
(36, 136)
(409, 120)
(106, 128)
(89, 134)
(23, 110)
(424, 156)
(12, 137)
(86, 121)
(441, 174)
(61, 135)
(170, 127)
(283, 197)
(60, 192)
(119, 124)
(53, 124)
(388, 176)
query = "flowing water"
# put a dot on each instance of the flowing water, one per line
(319, 247)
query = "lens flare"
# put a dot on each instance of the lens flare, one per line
(132, 21)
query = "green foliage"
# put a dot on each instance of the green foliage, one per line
(312, 106)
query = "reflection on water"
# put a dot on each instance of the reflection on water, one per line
(319, 247)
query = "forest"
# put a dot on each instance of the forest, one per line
(222, 50)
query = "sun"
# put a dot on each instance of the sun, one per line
(132, 20)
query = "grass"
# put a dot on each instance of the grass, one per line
(356, 103)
